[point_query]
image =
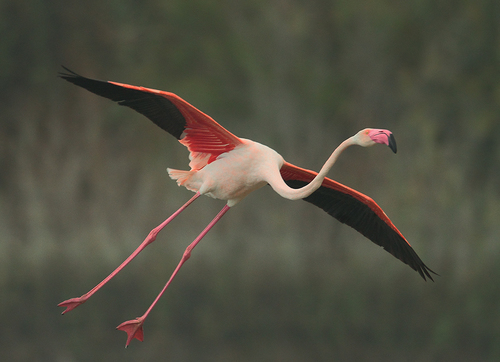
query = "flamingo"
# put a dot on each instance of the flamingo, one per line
(226, 167)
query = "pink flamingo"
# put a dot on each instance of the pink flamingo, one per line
(226, 167)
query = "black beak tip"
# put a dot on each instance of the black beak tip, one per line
(392, 143)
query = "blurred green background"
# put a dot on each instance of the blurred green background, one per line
(83, 181)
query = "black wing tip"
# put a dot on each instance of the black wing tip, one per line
(425, 271)
(157, 108)
(69, 74)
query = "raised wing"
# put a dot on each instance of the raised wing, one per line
(359, 212)
(204, 137)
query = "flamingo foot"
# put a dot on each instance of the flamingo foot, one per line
(72, 303)
(133, 328)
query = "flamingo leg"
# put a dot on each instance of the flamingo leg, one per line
(133, 327)
(72, 303)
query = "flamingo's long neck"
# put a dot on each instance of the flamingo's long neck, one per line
(295, 194)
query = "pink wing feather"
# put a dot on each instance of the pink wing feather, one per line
(203, 136)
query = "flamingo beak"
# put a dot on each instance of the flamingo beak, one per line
(392, 143)
(385, 137)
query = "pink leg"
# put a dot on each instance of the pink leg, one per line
(72, 303)
(134, 327)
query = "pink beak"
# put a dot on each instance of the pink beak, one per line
(385, 137)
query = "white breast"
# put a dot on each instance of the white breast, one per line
(237, 173)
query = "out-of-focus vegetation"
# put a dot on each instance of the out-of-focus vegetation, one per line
(82, 181)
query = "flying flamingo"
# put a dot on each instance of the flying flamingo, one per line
(227, 167)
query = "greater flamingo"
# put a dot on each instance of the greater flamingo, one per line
(226, 167)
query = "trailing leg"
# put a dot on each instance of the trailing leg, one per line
(72, 303)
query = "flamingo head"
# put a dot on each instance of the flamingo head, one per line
(370, 136)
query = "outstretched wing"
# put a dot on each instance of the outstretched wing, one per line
(204, 137)
(359, 212)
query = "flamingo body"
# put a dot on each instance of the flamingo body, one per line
(226, 167)
(232, 175)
